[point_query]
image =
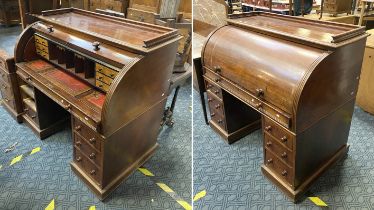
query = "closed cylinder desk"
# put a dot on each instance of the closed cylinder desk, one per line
(109, 76)
(295, 78)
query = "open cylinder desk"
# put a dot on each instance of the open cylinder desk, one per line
(109, 76)
(295, 78)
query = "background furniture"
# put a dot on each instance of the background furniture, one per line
(365, 96)
(9, 86)
(9, 14)
(336, 7)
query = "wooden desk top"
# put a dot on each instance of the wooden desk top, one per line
(370, 39)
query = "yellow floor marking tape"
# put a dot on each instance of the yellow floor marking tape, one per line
(16, 159)
(145, 172)
(35, 150)
(317, 201)
(199, 195)
(21, 157)
(166, 189)
(51, 205)
(92, 208)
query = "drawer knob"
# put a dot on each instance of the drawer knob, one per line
(68, 107)
(258, 106)
(270, 161)
(96, 46)
(217, 80)
(92, 140)
(25, 109)
(210, 99)
(28, 78)
(284, 173)
(268, 128)
(213, 114)
(78, 143)
(217, 69)
(260, 92)
(50, 28)
(209, 86)
(216, 92)
(220, 121)
(218, 106)
(93, 172)
(33, 117)
(78, 128)
(284, 139)
(284, 155)
(79, 159)
(268, 143)
(92, 155)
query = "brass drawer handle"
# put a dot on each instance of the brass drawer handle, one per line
(25, 109)
(92, 140)
(268, 128)
(213, 114)
(28, 78)
(33, 117)
(260, 92)
(284, 139)
(78, 143)
(78, 128)
(6, 100)
(216, 92)
(284, 155)
(210, 99)
(268, 143)
(209, 86)
(79, 159)
(284, 173)
(217, 106)
(270, 161)
(93, 172)
(220, 121)
(92, 155)
(217, 80)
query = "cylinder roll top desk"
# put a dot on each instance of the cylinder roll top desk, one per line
(296, 78)
(109, 75)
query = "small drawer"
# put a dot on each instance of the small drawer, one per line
(276, 131)
(215, 105)
(43, 54)
(102, 85)
(282, 170)
(106, 70)
(89, 168)
(40, 40)
(30, 110)
(89, 135)
(218, 120)
(281, 151)
(41, 48)
(104, 78)
(213, 89)
(87, 147)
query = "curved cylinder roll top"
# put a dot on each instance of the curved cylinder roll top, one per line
(256, 61)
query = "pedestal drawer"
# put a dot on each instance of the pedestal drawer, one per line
(280, 134)
(89, 168)
(92, 138)
(282, 152)
(88, 149)
(282, 170)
